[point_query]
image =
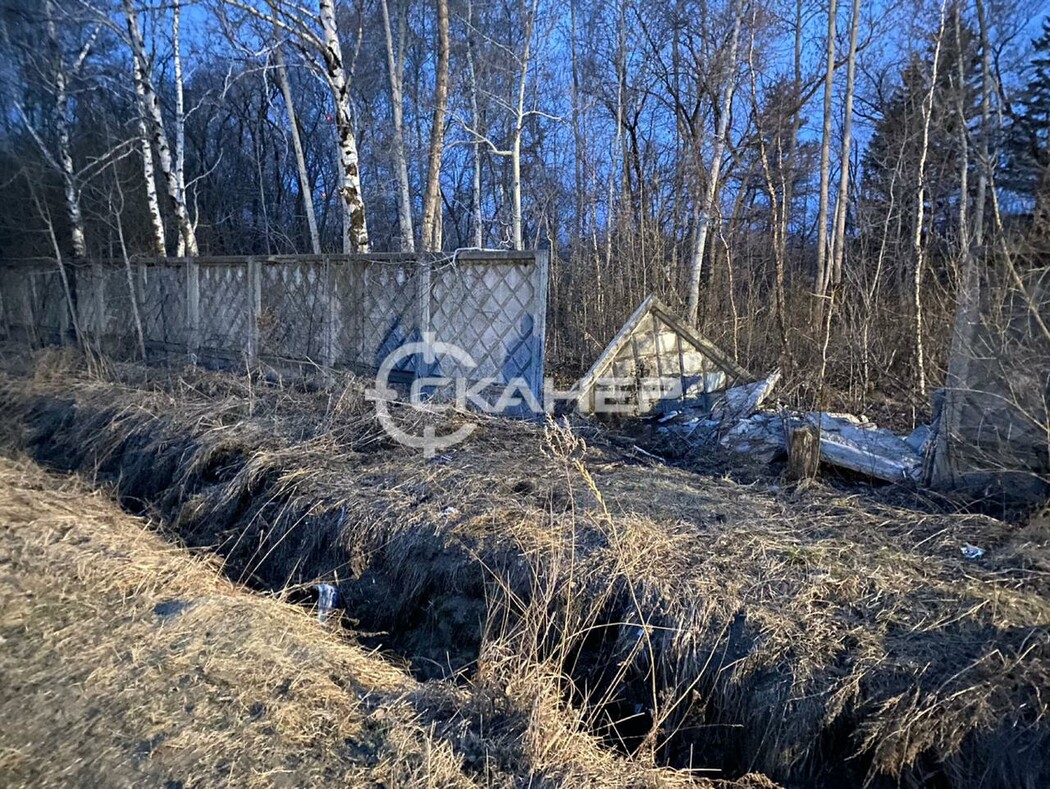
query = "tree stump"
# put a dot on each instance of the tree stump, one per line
(803, 453)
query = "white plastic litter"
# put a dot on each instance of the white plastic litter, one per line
(327, 599)
(972, 551)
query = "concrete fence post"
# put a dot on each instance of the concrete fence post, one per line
(540, 279)
(193, 309)
(254, 284)
(98, 295)
(330, 311)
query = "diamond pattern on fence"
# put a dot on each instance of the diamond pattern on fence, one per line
(119, 314)
(163, 288)
(90, 294)
(346, 321)
(486, 308)
(14, 301)
(47, 302)
(385, 315)
(292, 319)
(224, 308)
(366, 307)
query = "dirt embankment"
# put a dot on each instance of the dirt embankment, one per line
(818, 636)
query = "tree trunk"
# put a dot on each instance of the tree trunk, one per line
(825, 173)
(968, 293)
(711, 195)
(395, 68)
(65, 156)
(918, 248)
(157, 239)
(618, 152)
(475, 186)
(519, 124)
(355, 226)
(839, 237)
(305, 187)
(984, 171)
(160, 137)
(431, 237)
(180, 114)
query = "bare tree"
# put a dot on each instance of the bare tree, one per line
(918, 248)
(150, 99)
(396, 68)
(157, 238)
(62, 159)
(431, 199)
(472, 77)
(710, 198)
(839, 237)
(518, 115)
(355, 225)
(305, 184)
(825, 170)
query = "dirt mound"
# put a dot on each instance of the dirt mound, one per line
(126, 661)
(819, 636)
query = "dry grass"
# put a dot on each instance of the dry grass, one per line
(821, 636)
(127, 661)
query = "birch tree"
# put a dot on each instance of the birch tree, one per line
(518, 116)
(472, 89)
(158, 241)
(150, 100)
(180, 115)
(841, 203)
(305, 184)
(61, 160)
(325, 45)
(355, 225)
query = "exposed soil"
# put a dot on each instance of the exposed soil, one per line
(824, 637)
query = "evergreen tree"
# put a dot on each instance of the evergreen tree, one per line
(890, 162)
(1029, 170)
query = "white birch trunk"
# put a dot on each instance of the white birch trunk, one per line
(355, 226)
(479, 230)
(157, 240)
(519, 124)
(839, 236)
(65, 156)
(968, 294)
(160, 137)
(825, 172)
(918, 247)
(180, 113)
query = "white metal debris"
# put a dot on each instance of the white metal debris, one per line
(735, 422)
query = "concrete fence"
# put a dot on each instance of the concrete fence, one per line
(331, 311)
